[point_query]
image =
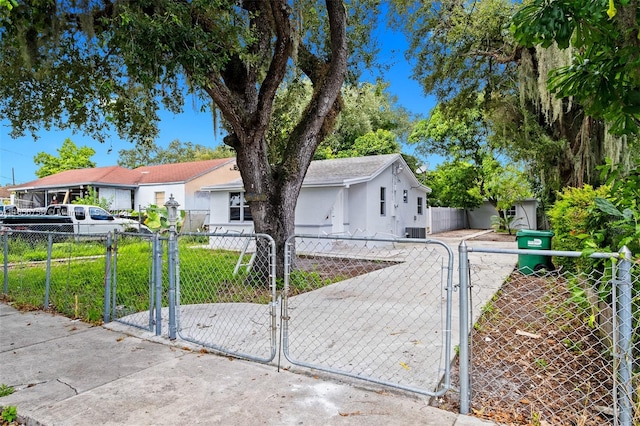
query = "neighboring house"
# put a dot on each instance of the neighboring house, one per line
(155, 184)
(6, 195)
(128, 189)
(363, 196)
(114, 183)
(524, 213)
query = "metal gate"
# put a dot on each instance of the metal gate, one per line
(133, 283)
(372, 309)
(226, 293)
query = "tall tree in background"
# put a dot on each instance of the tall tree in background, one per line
(368, 112)
(70, 157)
(464, 55)
(96, 65)
(175, 152)
(604, 42)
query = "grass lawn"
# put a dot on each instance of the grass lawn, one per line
(77, 277)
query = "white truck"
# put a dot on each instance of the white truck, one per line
(73, 218)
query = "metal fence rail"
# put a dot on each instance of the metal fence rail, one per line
(226, 301)
(550, 346)
(377, 310)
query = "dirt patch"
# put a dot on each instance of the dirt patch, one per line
(476, 235)
(495, 236)
(320, 271)
(536, 360)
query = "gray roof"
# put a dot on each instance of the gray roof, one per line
(347, 170)
(339, 172)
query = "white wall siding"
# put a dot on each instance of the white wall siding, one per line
(147, 194)
(442, 219)
(120, 199)
(480, 218)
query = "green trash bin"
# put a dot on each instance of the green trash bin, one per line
(534, 240)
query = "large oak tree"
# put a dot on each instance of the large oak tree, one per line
(100, 65)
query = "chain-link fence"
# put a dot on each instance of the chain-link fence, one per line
(54, 270)
(551, 347)
(377, 310)
(226, 293)
(134, 286)
(554, 345)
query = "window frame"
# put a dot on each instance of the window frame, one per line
(244, 209)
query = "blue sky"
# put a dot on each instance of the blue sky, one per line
(16, 155)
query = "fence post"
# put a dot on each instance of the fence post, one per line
(157, 268)
(5, 243)
(465, 392)
(172, 283)
(625, 331)
(47, 285)
(107, 279)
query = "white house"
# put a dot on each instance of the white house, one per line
(155, 184)
(523, 211)
(364, 196)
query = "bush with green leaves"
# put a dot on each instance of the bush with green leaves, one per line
(572, 220)
(617, 215)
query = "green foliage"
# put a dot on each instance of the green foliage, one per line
(502, 185)
(616, 214)
(570, 216)
(373, 143)
(9, 414)
(150, 154)
(452, 184)
(91, 198)
(604, 75)
(157, 218)
(370, 123)
(456, 47)
(460, 135)
(70, 157)
(6, 390)
(504, 222)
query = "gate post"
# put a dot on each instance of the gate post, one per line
(157, 269)
(172, 283)
(463, 263)
(625, 331)
(107, 278)
(47, 285)
(5, 248)
(172, 216)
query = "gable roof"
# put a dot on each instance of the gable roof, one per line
(122, 177)
(344, 171)
(339, 172)
(178, 172)
(111, 175)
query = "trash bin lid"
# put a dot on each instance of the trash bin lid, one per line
(534, 233)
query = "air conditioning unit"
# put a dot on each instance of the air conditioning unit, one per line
(415, 232)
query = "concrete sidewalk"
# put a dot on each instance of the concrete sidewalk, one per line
(67, 372)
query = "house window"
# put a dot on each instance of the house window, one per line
(511, 211)
(383, 201)
(405, 196)
(239, 210)
(419, 205)
(159, 198)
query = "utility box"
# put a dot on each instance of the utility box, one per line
(534, 240)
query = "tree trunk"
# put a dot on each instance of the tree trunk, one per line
(272, 180)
